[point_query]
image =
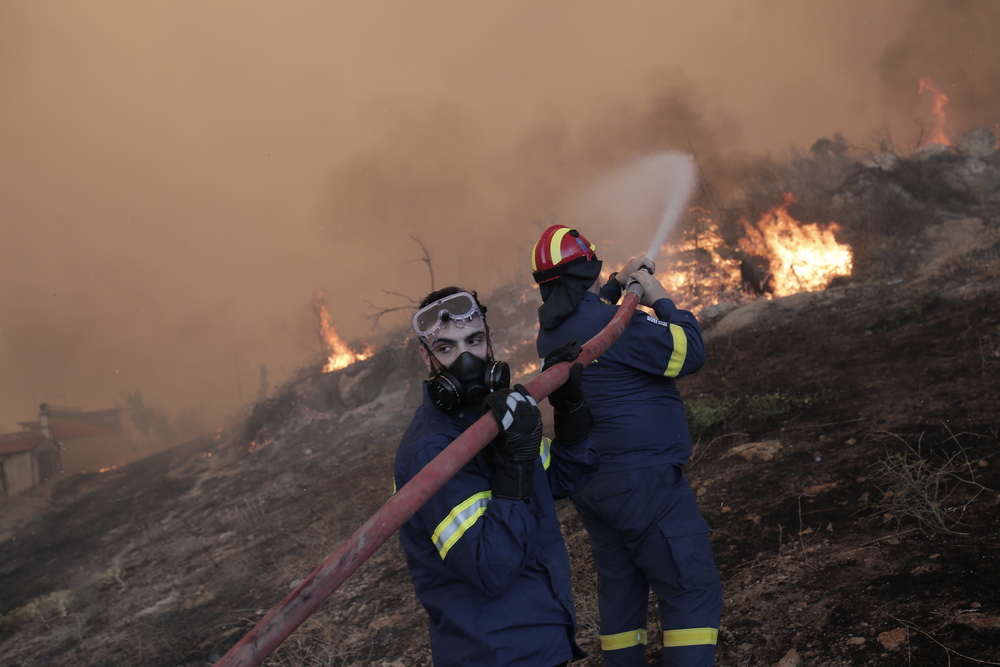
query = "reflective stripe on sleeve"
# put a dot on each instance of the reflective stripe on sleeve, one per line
(623, 640)
(545, 451)
(458, 521)
(690, 637)
(679, 354)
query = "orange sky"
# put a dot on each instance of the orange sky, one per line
(177, 178)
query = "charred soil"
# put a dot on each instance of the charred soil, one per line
(845, 457)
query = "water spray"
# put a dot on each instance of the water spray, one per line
(680, 173)
(681, 179)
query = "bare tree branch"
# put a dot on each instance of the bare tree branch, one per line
(426, 259)
(411, 302)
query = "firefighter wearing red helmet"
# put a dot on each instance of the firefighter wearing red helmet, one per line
(645, 527)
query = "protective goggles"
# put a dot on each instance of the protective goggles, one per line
(460, 309)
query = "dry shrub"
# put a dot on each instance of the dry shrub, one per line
(915, 486)
(43, 610)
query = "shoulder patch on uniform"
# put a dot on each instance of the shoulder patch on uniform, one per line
(657, 322)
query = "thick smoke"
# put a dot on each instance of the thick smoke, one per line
(954, 43)
(178, 179)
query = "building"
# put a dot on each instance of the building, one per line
(27, 460)
(63, 439)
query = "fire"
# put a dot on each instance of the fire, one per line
(338, 353)
(938, 100)
(699, 272)
(802, 257)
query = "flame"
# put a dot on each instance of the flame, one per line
(700, 273)
(338, 353)
(803, 257)
(938, 100)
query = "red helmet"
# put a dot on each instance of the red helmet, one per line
(559, 246)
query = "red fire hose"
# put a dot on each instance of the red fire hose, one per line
(274, 628)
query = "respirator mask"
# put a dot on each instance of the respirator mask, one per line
(467, 381)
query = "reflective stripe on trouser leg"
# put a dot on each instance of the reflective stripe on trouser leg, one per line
(623, 640)
(689, 647)
(690, 637)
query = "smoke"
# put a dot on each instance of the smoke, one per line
(952, 43)
(640, 201)
(178, 179)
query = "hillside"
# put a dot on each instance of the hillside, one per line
(846, 459)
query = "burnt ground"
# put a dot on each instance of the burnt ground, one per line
(845, 457)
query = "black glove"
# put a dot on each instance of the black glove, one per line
(568, 352)
(570, 414)
(517, 445)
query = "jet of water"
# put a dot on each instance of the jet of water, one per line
(680, 173)
(618, 210)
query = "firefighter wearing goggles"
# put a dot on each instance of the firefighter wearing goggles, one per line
(485, 553)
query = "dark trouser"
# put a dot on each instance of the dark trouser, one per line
(646, 531)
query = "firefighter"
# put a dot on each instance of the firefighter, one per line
(485, 553)
(643, 521)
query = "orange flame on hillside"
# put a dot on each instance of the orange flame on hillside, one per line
(777, 256)
(938, 100)
(803, 257)
(698, 272)
(338, 353)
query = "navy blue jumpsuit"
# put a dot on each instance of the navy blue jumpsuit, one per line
(493, 574)
(643, 520)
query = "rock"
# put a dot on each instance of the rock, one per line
(791, 659)
(764, 450)
(817, 489)
(978, 622)
(974, 177)
(892, 640)
(884, 162)
(979, 143)
(712, 314)
(931, 151)
(856, 641)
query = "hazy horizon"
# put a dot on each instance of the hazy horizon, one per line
(180, 178)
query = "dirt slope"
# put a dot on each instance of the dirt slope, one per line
(845, 458)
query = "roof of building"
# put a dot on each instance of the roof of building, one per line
(11, 443)
(67, 430)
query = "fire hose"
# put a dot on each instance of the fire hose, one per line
(291, 612)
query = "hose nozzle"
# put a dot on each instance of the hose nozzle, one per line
(633, 285)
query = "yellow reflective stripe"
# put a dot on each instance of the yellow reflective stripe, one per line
(679, 354)
(690, 637)
(623, 640)
(555, 243)
(534, 251)
(458, 521)
(545, 451)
